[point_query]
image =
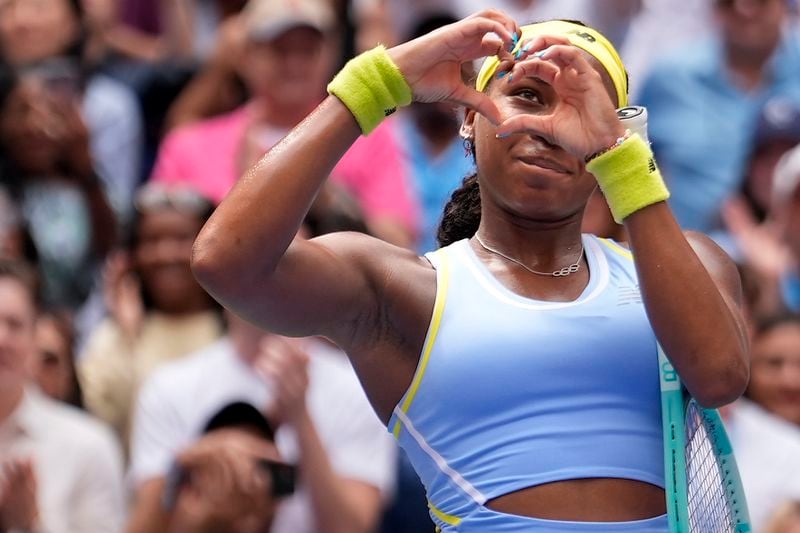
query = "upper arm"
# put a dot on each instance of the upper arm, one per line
(725, 275)
(330, 286)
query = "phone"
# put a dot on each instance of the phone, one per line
(283, 477)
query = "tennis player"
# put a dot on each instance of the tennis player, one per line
(517, 364)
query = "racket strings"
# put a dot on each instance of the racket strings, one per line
(709, 511)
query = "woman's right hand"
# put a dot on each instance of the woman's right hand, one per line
(431, 64)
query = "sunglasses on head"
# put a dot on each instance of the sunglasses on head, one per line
(152, 197)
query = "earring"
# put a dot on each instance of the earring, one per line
(469, 147)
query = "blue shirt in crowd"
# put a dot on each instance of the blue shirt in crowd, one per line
(701, 124)
(435, 177)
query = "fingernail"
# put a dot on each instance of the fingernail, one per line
(510, 77)
(502, 74)
(526, 47)
(540, 53)
(502, 135)
(518, 54)
(515, 37)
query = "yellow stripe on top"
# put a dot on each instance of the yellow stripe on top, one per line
(616, 248)
(442, 284)
(444, 517)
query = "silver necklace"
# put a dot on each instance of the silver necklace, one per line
(566, 271)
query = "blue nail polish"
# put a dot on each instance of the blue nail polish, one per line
(510, 77)
(502, 74)
(526, 47)
(515, 37)
(540, 53)
(518, 54)
(503, 135)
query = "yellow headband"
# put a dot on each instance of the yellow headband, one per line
(584, 38)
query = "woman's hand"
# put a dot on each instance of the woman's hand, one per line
(584, 120)
(432, 63)
(123, 294)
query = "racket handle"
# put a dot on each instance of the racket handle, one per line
(634, 118)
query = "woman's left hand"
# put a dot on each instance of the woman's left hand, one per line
(584, 120)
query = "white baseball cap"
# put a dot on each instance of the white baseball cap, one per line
(267, 19)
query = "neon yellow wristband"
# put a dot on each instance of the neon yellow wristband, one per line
(628, 177)
(372, 88)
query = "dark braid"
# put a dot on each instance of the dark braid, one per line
(462, 214)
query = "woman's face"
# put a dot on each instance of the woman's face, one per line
(162, 255)
(775, 373)
(34, 30)
(523, 174)
(26, 128)
(54, 371)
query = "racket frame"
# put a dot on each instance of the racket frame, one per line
(674, 405)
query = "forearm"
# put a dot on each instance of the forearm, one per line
(244, 240)
(696, 322)
(335, 508)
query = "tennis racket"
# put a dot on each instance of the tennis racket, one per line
(704, 492)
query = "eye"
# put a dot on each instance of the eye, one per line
(529, 94)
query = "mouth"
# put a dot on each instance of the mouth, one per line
(545, 163)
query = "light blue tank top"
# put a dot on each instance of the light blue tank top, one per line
(512, 392)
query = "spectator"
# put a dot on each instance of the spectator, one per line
(48, 36)
(775, 374)
(62, 471)
(704, 103)
(344, 453)
(54, 369)
(772, 249)
(287, 57)
(46, 166)
(746, 214)
(232, 479)
(157, 310)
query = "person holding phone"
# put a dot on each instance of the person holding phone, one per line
(231, 479)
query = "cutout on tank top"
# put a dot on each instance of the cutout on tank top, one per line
(584, 500)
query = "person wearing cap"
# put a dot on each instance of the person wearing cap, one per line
(324, 425)
(704, 101)
(517, 365)
(289, 52)
(232, 478)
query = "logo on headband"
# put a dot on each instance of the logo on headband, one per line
(586, 36)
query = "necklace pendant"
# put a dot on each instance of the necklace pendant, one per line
(566, 271)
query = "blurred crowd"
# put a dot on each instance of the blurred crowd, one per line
(130, 401)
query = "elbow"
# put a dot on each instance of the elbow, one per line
(726, 386)
(208, 265)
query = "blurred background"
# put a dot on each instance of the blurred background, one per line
(128, 396)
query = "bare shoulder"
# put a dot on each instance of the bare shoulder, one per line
(717, 262)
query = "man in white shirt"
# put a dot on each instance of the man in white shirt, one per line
(61, 470)
(345, 454)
